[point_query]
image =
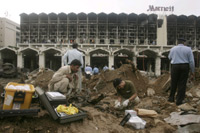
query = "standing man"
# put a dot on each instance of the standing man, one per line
(71, 55)
(182, 60)
(65, 80)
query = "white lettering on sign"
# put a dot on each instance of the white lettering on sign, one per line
(8, 100)
(160, 8)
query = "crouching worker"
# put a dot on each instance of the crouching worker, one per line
(65, 80)
(127, 94)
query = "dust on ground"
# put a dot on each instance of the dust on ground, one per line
(97, 99)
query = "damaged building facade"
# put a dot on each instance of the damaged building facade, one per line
(104, 39)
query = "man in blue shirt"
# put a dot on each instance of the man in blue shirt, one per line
(88, 68)
(105, 68)
(182, 60)
(88, 71)
(73, 54)
(95, 70)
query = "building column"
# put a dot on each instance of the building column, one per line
(117, 41)
(20, 60)
(110, 61)
(41, 60)
(97, 40)
(135, 61)
(107, 41)
(158, 66)
(162, 33)
(87, 59)
(62, 63)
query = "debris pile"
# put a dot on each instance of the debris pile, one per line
(162, 84)
(98, 97)
(102, 94)
(102, 83)
(9, 70)
(40, 77)
(197, 74)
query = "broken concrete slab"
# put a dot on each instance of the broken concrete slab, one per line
(162, 83)
(176, 118)
(188, 94)
(167, 84)
(195, 91)
(186, 107)
(150, 92)
(193, 128)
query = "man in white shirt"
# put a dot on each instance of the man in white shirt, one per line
(71, 55)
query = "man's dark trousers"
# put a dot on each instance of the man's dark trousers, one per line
(179, 76)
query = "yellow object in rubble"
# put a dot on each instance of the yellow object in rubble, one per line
(69, 110)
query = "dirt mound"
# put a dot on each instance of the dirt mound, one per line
(103, 81)
(43, 79)
(40, 78)
(161, 84)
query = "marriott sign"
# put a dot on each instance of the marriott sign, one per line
(160, 8)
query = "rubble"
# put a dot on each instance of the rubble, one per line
(102, 83)
(161, 84)
(186, 107)
(40, 77)
(176, 118)
(150, 92)
(9, 70)
(193, 128)
(98, 98)
(95, 99)
(195, 91)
